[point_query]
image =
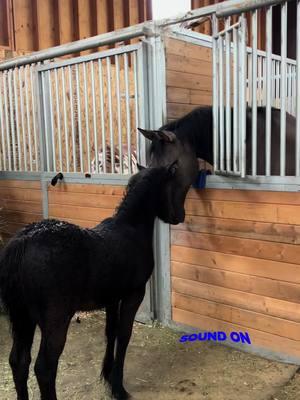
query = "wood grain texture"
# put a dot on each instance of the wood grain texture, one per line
(245, 318)
(282, 233)
(238, 281)
(235, 263)
(246, 301)
(259, 339)
(244, 247)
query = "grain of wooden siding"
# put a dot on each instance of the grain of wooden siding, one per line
(277, 213)
(248, 196)
(46, 27)
(258, 339)
(85, 213)
(244, 247)
(88, 200)
(247, 301)
(232, 280)
(282, 233)
(236, 263)
(66, 29)
(245, 318)
(87, 188)
(23, 24)
(21, 202)
(245, 265)
(188, 77)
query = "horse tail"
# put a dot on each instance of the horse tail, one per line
(11, 292)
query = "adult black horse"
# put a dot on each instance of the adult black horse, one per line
(191, 137)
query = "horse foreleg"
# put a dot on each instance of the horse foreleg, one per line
(52, 345)
(20, 356)
(128, 310)
(112, 316)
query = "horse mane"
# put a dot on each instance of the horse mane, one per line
(135, 196)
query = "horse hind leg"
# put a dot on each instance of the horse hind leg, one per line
(112, 316)
(53, 340)
(20, 355)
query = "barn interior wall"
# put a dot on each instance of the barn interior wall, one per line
(235, 262)
(30, 25)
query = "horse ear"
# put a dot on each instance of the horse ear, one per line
(167, 136)
(172, 168)
(140, 167)
(148, 133)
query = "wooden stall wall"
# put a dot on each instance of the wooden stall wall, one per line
(188, 77)
(236, 266)
(38, 24)
(20, 203)
(83, 204)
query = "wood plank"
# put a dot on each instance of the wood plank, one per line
(65, 21)
(258, 339)
(102, 21)
(283, 233)
(85, 199)
(247, 301)
(241, 264)
(84, 213)
(177, 110)
(87, 188)
(178, 95)
(10, 228)
(189, 50)
(180, 63)
(20, 184)
(248, 196)
(46, 24)
(244, 247)
(260, 212)
(21, 217)
(245, 318)
(118, 14)
(20, 205)
(238, 281)
(20, 194)
(189, 81)
(200, 98)
(23, 25)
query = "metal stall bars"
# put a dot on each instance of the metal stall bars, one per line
(229, 158)
(259, 78)
(90, 126)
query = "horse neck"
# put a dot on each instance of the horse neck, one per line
(139, 213)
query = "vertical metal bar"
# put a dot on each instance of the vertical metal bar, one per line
(52, 133)
(79, 116)
(2, 124)
(128, 131)
(58, 119)
(45, 113)
(136, 100)
(283, 89)
(28, 117)
(268, 88)
(100, 76)
(215, 28)
(22, 119)
(117, 64)
(221, 101)
(111, 132)
(298, 93)
(228, 97)
(235, 100)
(143, 100)
(289, 88)
(94, 116)
(12, 122)
(87, 125)
(72, 119)
(6, 121)
(254, 93)
(65, 119)
(33, 103)
(242, 94)
(264, 84)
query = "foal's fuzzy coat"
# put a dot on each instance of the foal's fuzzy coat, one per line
(51, 269)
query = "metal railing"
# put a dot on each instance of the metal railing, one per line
(246, 77)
